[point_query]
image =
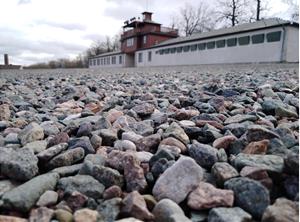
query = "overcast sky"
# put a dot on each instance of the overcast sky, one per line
(34, 31)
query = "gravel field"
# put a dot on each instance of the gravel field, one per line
(214, 143)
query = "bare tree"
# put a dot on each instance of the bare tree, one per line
(193, 19)
(293, 9)
(258, 7)
(235, 11)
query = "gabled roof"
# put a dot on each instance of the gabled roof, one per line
(265, 23)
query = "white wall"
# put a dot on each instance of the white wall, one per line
(252, 53)
(291, 49)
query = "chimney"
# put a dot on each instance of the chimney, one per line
(6, 62)
(147, 16)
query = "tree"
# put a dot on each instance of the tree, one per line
(293, 9)
(234, 11)
(193, 19)
(258, 7)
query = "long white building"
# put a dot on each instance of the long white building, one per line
(270, 40)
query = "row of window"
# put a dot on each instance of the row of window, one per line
(231, 42)
(106, 61)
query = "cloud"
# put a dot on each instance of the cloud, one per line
(24, 2)
(68, 26)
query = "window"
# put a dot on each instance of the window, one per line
(173, 50)
(179, 49)
(108, 60)
(245, 40)
(274, 36)
(98, 62)
(161, 51)
(120, 59)
(144, 39)
(231, 42)
(256, 39)
(113, 60)
(194, 47)
(211, 45)
(101, 61)
(129, 42)
(94, 62)
(149, 56)
(186, 48)
(167, 51)
(140, 57)
(202, 46)
(104, 61)
(91, 62)
(220, 43)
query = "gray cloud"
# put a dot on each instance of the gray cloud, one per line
(15, 45)
(67, 26)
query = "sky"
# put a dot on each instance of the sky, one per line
(33, 31)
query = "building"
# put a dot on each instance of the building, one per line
(7, 65)
(148, 44)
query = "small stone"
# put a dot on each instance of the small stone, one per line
(61, 137)
(240, 118)
(250, 195)
(148, 143)
(144, 109)
(171, 141)
(66, 171)
(131, 136)
(222, 214)
(37, 146)
(178, 180)
(204, 155)
(76, 200)
(223, 172)
(174, 130)
(23, 197)
(6, 185)
(124, 145)
(291, 163)
(108, 137)
(85, 129)
(67, 158)
(168, 210)
(96, 141)
(41, 214)
(106, 176)
(259, 147)
(18, 165)
(135, 205)
(84, 143)
(270, 163)
(258, 174)
(30, 133)
(4, 218)
(84, 184)
(257, 133)
(110, 209)
(63, 215)
(112, 192)
(282, 210)
(224, 142)
(206, 196)
(87, 215)
(47, 199)
(113, 115)
(150, 201)
(49, 153)
(284, 112)
(4, 112)
(134, 175)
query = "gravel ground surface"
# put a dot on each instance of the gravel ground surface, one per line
(188, 143)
